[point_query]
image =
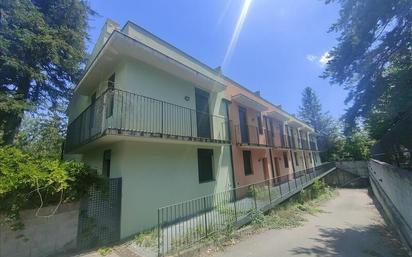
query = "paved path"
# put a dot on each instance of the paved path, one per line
(350, 226)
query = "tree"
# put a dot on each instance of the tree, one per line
(42, 48)
(357, 146)
(311, 110)
(325, 126)
(373, 60)
(42, 135)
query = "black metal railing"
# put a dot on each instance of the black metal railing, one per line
(183, 224)
(304, 144)
(313, 146)
(117, 111)
(250, 135)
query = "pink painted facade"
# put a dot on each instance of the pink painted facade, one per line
(271, 152)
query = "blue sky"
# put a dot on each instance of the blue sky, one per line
(279, 50)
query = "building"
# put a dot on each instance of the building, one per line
(172, 127)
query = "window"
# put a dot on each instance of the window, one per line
(111, 81)
(310, 156)
(259, 122)
(92, 109)
(205, 165)
(247, 163)
(285, 159)
(296, 158)
(110, 100)
(107, 156)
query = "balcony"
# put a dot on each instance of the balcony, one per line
(313, 146)
(305, 145)
(118, 112)
(249, 135)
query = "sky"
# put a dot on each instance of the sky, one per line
(278, 47)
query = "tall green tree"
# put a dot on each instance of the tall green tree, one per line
(329, 136)
(42, 135)
(42, 48)
(311, 110)
(357, 146)
(373, 60)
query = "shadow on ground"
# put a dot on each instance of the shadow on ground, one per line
(374, 240)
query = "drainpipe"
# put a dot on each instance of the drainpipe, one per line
(271, 163)
(270, 149)
(227, 103)
(293, 163)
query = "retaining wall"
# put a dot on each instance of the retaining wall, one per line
(41, 236)
(359, 168)
(393, 190)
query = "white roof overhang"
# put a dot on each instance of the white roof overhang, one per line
(248, 102)
(120, 46)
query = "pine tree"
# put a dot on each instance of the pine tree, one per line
(373, 61)
(311, 110)
(42, 47)
(326, 128)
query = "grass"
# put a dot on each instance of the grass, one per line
(103, 251)
(289, 214)
(146, 238)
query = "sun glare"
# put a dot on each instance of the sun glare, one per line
(236, 32)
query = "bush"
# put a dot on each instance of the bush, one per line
(29, 182)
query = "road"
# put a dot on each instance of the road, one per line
(349, 226)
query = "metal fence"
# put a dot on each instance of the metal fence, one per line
(99, 216)
(395, 147)
(118, 111)
(183, 224)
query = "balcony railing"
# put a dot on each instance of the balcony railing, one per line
(250, 135)
(313, 146)
(126, 113)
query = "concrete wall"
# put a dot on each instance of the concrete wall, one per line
(41, 236)
(359, 168)
(393, 189)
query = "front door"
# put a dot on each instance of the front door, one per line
(277, 167)
(243, 125)
(202, 113)
(265, 168)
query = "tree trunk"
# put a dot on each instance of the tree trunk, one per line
(11, 127)
(13, 120)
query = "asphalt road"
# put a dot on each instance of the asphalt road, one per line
(349, 226)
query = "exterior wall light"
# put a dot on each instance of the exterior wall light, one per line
(187, 98)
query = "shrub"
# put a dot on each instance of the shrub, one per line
(259, 192)
(257, 218)
(29, 182)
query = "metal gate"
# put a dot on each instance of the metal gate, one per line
(99, 216)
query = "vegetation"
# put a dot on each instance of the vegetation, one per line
(42, 51)
(27, 181)
(42, 135)
(289, 214)
(146, 238)
(103, 251)
(331, 140)
(325, 126)
(258, 192)
(373, 60)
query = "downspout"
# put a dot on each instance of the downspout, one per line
(227, 103)
(270, 149)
